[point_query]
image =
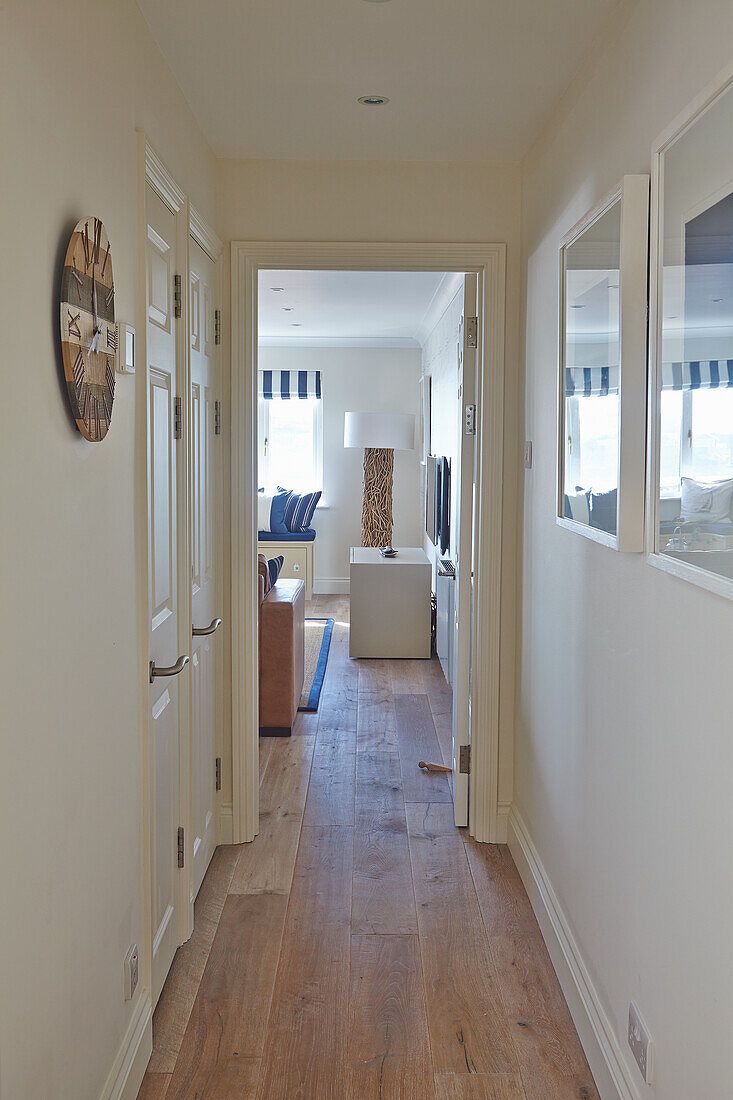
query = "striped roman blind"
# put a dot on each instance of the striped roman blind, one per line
(698, 374)
(282, 385)
(591, 381)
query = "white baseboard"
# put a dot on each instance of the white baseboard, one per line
(611, 1072)
(502, 822)
(226, 825)
(128, 1068)
(331, 586)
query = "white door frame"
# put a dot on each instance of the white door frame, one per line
(488, 261)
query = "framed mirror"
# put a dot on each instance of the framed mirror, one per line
(602, 375)
(691, 349)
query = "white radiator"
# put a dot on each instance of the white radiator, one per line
(445, 594)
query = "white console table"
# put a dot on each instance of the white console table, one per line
(390, 603)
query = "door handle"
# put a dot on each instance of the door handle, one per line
(445, 573)
(199, 631)
(172, 670)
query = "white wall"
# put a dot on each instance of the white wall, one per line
(76, 79)
(624, 753)
(361, 380)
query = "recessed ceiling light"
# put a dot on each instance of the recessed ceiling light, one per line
(577, 307)
(295, 324)
(716, 299)
(373, 100)
(277, 289)
(287, 309)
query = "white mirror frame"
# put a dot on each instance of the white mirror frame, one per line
(633, 194)
(713, 582)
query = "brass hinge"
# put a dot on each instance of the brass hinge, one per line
(177, 296)
(217, 326)
(178, 418)
(472, 332)
(217, 418)
(218, 773)
(464, 760)
(181, 848)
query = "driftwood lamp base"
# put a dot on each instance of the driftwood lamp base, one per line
(376, 514)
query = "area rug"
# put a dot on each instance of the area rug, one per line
(317, 644)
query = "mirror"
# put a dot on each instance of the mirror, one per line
(603, 279)
(693, 368)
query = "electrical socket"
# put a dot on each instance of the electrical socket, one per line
(640, 1043)
(131, 972)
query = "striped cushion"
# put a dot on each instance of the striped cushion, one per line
(299, 509)
(274, 565)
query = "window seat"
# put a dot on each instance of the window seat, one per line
(289, 536)
(296, 548)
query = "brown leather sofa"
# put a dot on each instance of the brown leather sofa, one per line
(282, 652)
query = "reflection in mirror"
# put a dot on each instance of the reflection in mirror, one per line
(590, 475)
(694, 374)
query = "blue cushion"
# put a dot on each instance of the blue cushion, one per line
(299, 509)
(289, 536)
(278, 511)
(603, 511)
(274, 565)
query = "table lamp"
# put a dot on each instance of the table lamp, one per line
(380, 434)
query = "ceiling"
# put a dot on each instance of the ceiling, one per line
(351, 308)
(468, 80)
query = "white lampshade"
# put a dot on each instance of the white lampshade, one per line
(372, 429)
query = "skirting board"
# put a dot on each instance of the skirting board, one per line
(605, 1058)
(331, 586)
(132, 1059)
(226, 825)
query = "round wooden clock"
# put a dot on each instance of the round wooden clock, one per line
(88, 332)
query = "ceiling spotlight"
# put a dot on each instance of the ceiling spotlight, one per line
(716, 299)
(373, 100)
(287, 309)
(277, 289)
(295, 324)
(577, 307)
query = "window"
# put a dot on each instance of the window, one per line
(592, 443)
(291, 444)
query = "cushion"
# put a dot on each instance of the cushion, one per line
(289, 536)
(577, 507)
(263, 570)
(274, 566)
(271, 510)
(706, 502)
(603, 511)
(299, 509)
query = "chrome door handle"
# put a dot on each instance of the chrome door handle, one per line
(444, 573)
(199, 631)
(172, 670)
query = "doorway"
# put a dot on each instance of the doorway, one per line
(479, 478)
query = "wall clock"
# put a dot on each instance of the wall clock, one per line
(88, 333)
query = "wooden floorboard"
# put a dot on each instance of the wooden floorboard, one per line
(225, 1036)
(417, 740)
(388, 1046)
(468, 1029)
(361, 946)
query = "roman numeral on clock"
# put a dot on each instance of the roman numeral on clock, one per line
(79, 367)
(79, 281)
(97, 240)
(74, 329)
(110, 295)
(106, 257)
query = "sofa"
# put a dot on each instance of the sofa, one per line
(281, 651)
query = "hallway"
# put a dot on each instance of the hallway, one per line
(362, 946)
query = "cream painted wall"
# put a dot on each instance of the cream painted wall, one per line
(77, 79)
(361, 380)
(624, 756)
(386, 201)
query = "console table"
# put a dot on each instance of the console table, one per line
(390, 603)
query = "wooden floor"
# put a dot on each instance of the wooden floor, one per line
(362, 946)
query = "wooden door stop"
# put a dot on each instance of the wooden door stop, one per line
(434, 768)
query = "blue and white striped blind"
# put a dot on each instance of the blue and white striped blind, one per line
(591, 381)
(698, 374)
(282, 385)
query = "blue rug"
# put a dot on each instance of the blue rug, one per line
(317, 644)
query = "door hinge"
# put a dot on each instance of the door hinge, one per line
(464, 760)
(218, 773)
(177, 296)
(181, 848)
(470, 414)
(178, 418)
(472, 332)
(217, 326)
(217, 418)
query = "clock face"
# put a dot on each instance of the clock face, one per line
(88, 332)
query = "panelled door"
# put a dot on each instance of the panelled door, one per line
(205, 558)
(464, 487)
(167, 712)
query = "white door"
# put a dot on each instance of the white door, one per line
(462, 489)
(205, 567)
(164, 469)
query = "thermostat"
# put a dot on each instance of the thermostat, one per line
(125, 348)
